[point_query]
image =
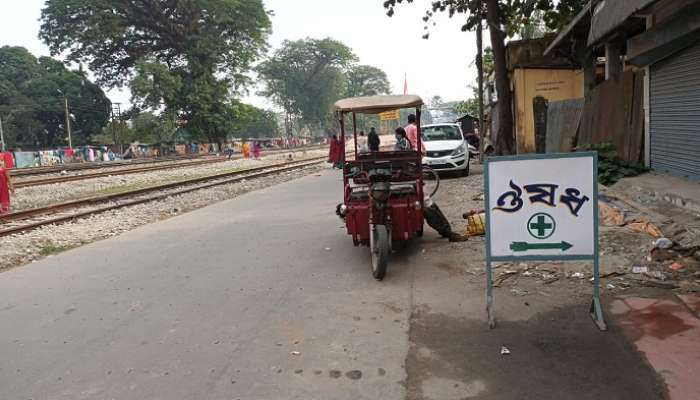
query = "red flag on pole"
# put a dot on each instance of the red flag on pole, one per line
(405, 84)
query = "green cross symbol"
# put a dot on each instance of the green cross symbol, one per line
(542, 223)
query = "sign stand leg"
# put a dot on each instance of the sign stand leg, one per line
(596, 307)
(489, 295)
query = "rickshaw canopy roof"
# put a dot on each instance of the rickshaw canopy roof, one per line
(377, 104)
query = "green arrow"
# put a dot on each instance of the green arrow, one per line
(525, 246)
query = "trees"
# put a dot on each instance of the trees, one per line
(365, 80)
(253, 122)
(186, 56)
(305, 77)
(148, 127)
(32, 101)
(503, 18)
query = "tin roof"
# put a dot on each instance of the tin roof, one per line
(609, 15)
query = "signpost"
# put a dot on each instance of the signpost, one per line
(390, 115)
(542, 208)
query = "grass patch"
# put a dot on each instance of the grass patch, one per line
(120, 189)
(50, 249)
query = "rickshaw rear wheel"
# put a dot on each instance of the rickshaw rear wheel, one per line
(379, 244)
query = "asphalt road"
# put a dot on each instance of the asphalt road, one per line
(264, 297)
(214, 304)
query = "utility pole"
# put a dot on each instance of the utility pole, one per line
(117, 116)
(2, 136)
(480, 68)
(65, 103)
(70, 139)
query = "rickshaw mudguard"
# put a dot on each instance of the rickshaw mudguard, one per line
(357, 221)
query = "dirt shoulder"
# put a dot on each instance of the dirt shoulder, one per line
(556, 351)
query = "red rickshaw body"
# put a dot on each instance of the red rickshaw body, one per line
(400, 173)
(405, 208)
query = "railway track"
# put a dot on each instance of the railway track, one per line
(27, 220)
(94, 165)
(115, 164)
(130, 171)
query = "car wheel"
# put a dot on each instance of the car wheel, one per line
(465, 171)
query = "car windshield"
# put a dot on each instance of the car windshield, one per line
(443, 132)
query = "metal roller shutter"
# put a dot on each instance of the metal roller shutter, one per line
(674, 100)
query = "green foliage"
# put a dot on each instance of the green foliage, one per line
(52, 249)
(253, 122)
(32, 101)
(305, 77)
(470, 107)
(365, 80)
(513, 15)
(610, 167)
(186, 56)
(150, 128)
(114, 35)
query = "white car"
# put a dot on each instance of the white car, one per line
(446, 149)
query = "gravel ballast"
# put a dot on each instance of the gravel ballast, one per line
(23, 248)
(41, 196)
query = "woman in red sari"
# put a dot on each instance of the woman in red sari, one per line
(333, 151)
(5, 188)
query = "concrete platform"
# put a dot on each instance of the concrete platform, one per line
(660, 187)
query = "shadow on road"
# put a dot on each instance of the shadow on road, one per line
(556, 355)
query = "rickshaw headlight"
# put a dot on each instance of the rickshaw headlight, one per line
(416, 205)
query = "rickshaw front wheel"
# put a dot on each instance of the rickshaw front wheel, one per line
(379, 244)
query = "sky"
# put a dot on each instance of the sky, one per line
(441, 66)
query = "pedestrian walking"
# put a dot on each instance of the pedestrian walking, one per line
(332, 150)
(6, 188)
(339, 154)
(246, 150)
(257, 148)
(362, 147)
(373, 140)
(412, 133)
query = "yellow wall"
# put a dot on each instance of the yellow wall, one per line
(553, 85)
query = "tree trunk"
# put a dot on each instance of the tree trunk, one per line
(505, 141)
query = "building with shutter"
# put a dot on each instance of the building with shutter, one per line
(650, 53)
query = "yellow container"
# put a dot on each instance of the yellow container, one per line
(476, 225)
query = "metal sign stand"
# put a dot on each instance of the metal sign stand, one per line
(596, 309)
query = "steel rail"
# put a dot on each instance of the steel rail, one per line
(129, 171)
(18, 172)
(29, 171)
(219, 179)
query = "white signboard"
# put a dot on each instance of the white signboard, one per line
(542, 207)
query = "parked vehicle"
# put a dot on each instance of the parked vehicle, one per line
(383, 190)
(446, 148)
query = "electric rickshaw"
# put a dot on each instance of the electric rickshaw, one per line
(383, 191)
